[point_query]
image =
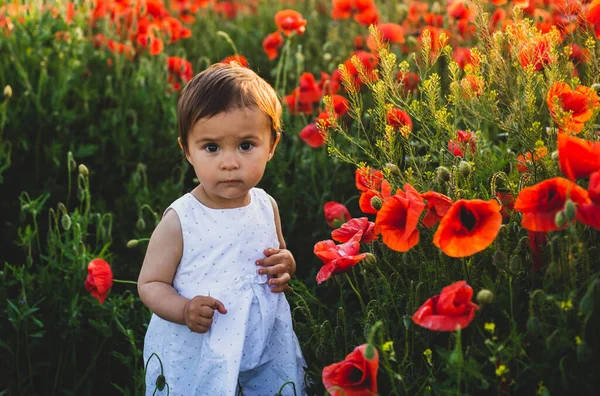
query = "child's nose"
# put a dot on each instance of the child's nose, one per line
(229, 161)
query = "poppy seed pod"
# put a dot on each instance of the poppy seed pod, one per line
(485, 297)
(83, 170)
(443, 174)
(132, 243)
(464, 168)
(7, 92)
(370, 260)
(376, 202)
(65, 221)
(499, 260)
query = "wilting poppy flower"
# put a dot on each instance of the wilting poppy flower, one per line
(271, 44)
(99, 279)
(336, 214)
(449, 310)
(352, 227)
(354, 376)
(239, 59)
(570, 109)
(436, 207)
(468, 227)
(338, 258)
(368, 179)
(365, 200)
(589, 213)
(578, 158)
(398, 218)
(312, 136)
(524, 161)
(540, 203)
(399, 119)
(508, 205)
(290, 21)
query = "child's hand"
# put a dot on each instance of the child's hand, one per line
(199, 311)
(280, 266)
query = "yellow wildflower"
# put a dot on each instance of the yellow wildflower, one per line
(501, 370)
(427, 353)
(578, 340)
(388, 346)
(490, 327)
(541, 388)
(566, 305)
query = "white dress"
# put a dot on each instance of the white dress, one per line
(253, 344)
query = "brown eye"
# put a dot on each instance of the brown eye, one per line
(246, 146)
(211, 148)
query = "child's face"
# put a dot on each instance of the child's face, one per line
(229, 152)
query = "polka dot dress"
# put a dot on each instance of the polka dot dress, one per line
(253, 344)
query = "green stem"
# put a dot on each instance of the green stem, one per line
(125, 281)
(362, 303)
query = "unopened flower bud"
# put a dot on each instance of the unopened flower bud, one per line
(161, 382)
(132, 243)
(376, 202)
(560, 219)
(464, 168)
(370, 260)
(65, 221)
(7, 92)
(515, 264)
(62, 208)
(141, 224)
(499, 260)
(393, 168)
(443, 174)
(596, 87)
(485, 297)
(83, 170)
(570, 210)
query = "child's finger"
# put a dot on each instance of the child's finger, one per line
(270, 251)
(218, 305)
(275, 269)
(280, 281)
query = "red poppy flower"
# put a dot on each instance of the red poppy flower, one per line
(464, 140)
(369, 62)
(571, 109)
(271, 44)
(540, 203)
(536, 53)
(436, 207)
(330, 85)
(338, 258)
(409, 80)
(352, 227)
(398, 218)
(295, 106)
(578, 158)
(354, 376)
(589, 213)
(342, 9)
(340, 104)
(384, 194)
(308, 89)
(336, 214)
(468, 228)
(368, 17)
(593, 16)
(290, 21)
(99, 279)
(390, 32)
(399, 119)
(368, 179)
(312, 136)
(449, 310)
(239, 59)
(462, 56)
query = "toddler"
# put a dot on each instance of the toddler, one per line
(216, 264)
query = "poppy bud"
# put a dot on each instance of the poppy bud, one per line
(370, 260)
(393, 168)
(485, 297)
(7, 92)
(132, 243)
(443, 174)
(596, 87)
(369, 352)
(161, 382)
(464, 168)
(66, 222)
(533, 324)
(62, 208)
(499, 260)
(83, 170)
(515, 264)
(376, 202)
(141, 224)
(560, 219)
(570, 210)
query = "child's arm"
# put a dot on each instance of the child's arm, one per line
(279, 263)
(155, 282)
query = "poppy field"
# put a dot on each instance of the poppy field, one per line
(438, 181)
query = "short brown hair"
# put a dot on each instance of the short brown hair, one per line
(224, 87)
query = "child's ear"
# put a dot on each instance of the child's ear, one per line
(274, 145)
(179, 141)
